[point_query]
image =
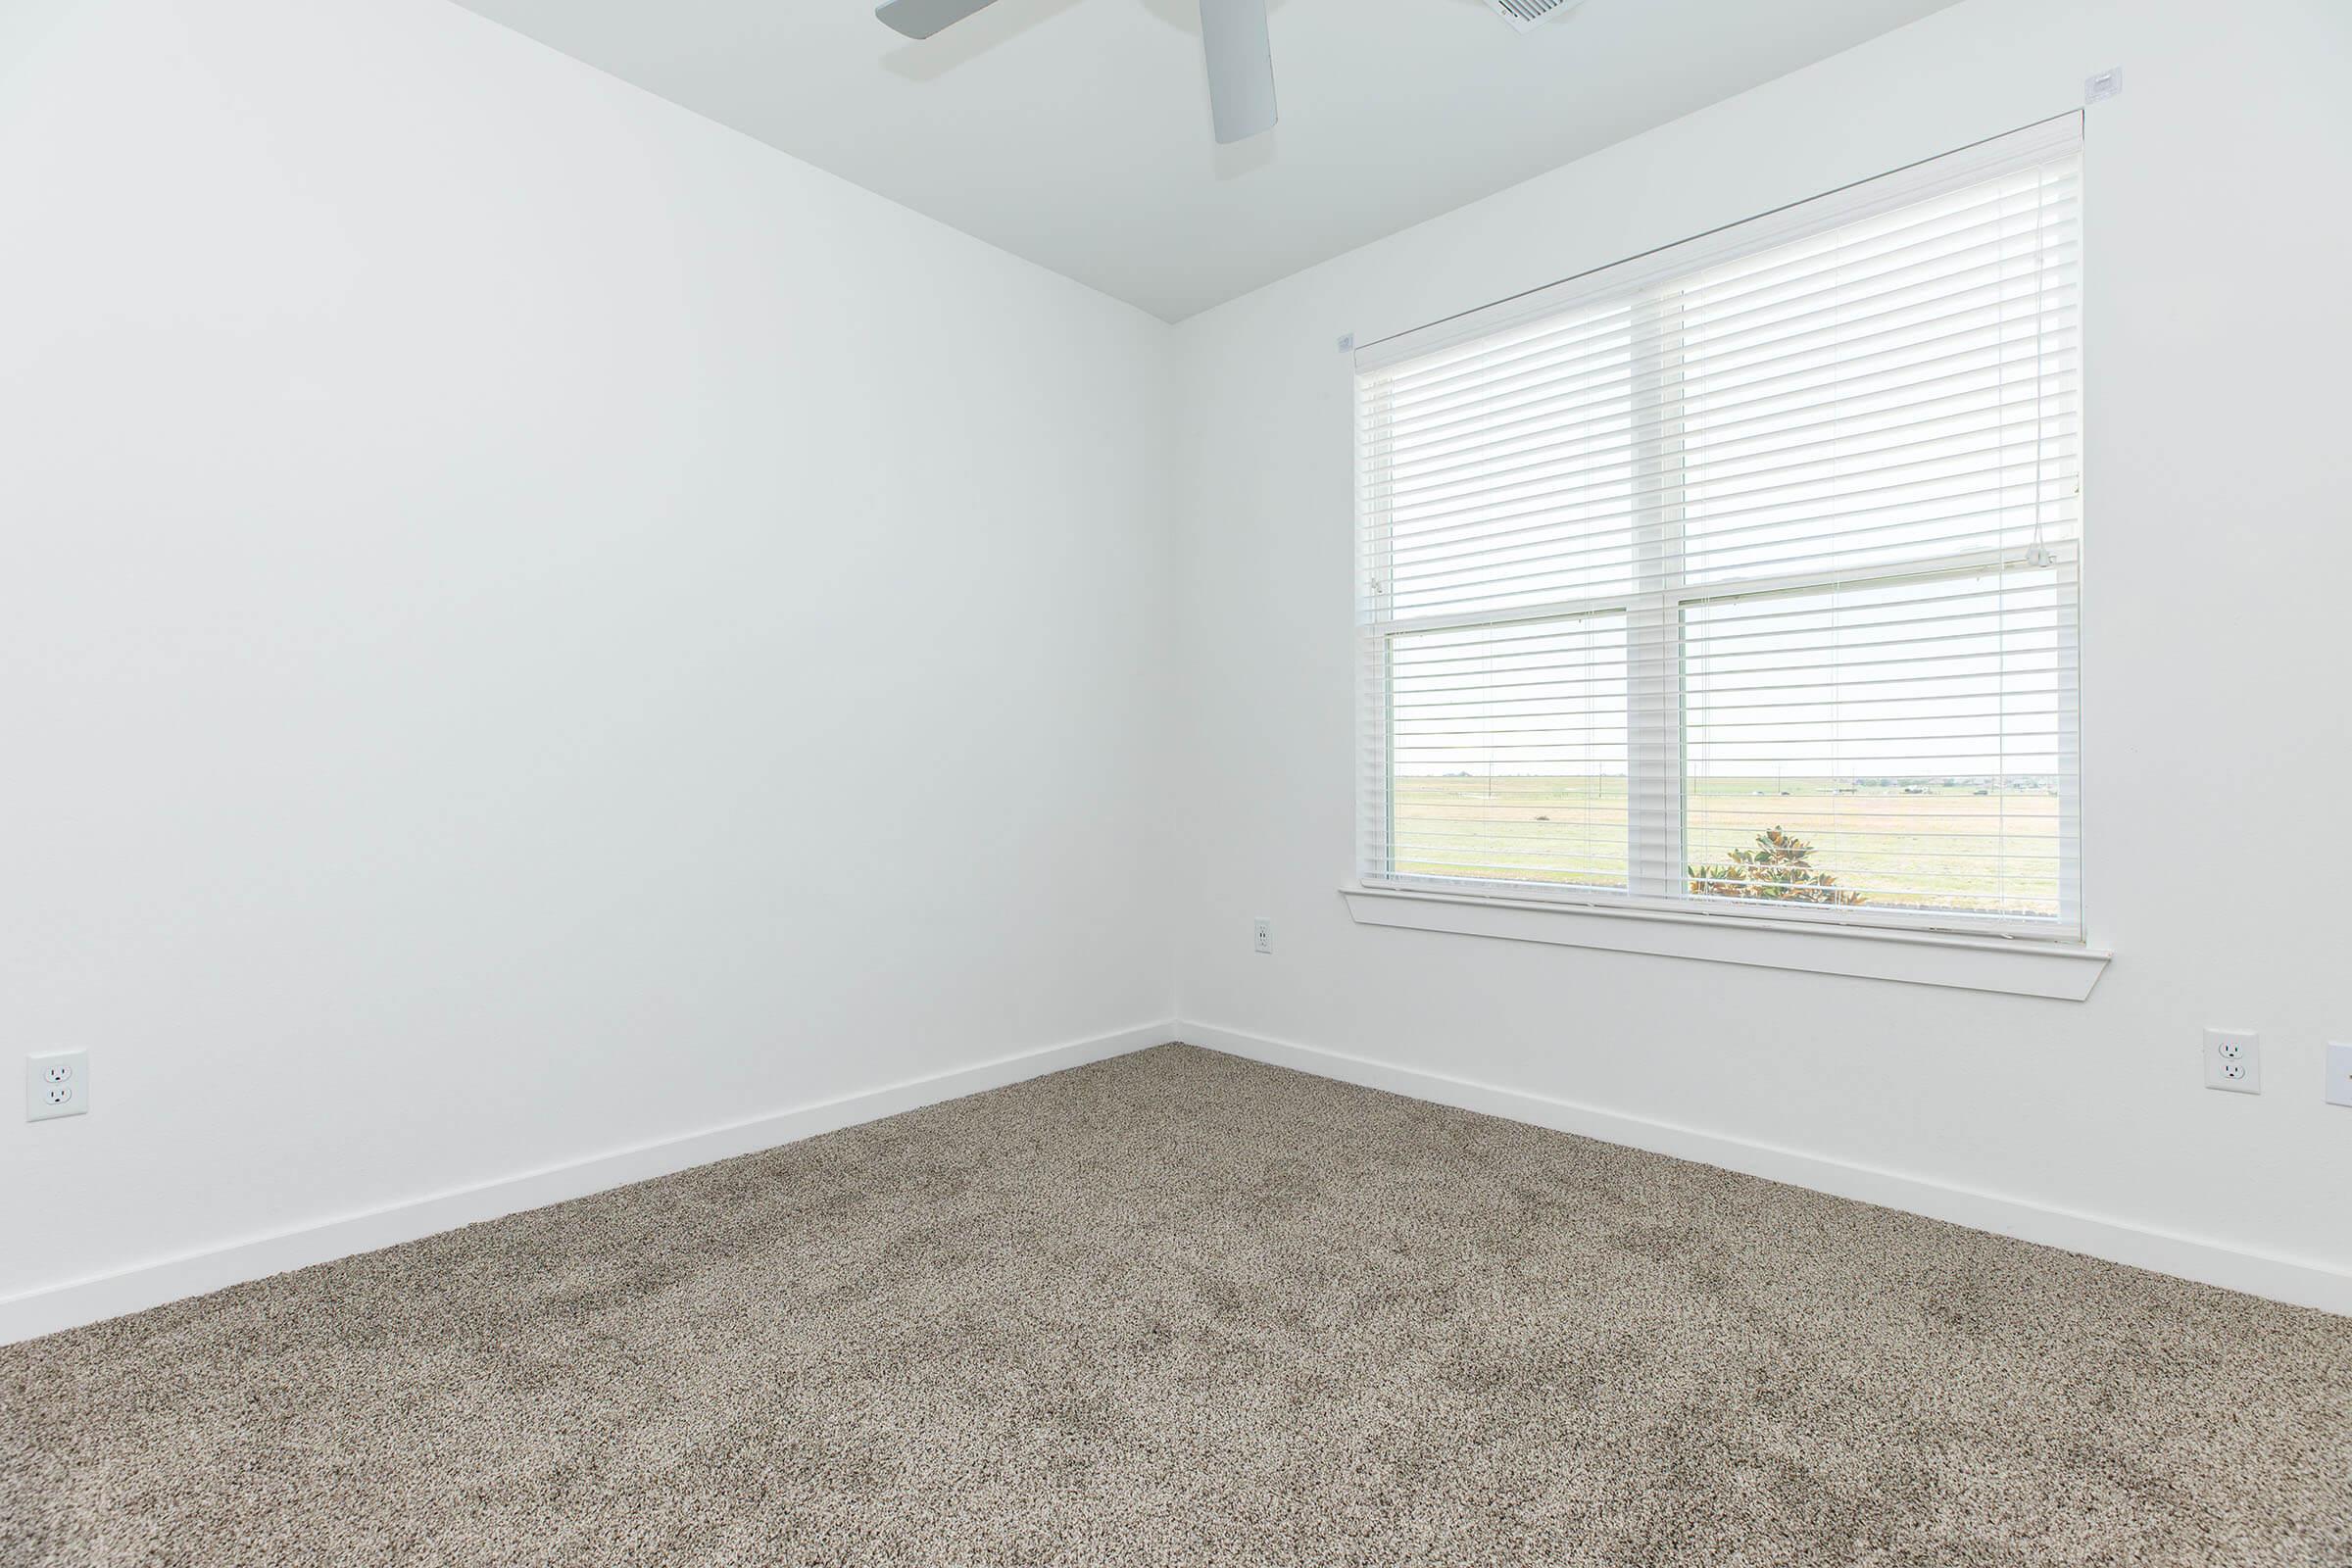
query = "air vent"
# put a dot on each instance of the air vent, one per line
(1524, 13)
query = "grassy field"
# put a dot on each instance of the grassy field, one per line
(1932, 846)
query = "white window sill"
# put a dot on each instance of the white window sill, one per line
(2023, 968)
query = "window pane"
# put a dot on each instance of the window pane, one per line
(1508, 752)
(1503, 477)
(1909, 738)
(1898, 390)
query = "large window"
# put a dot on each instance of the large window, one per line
(1742, 577)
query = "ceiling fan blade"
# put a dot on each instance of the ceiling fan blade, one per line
(920, 18)
(1240, 67)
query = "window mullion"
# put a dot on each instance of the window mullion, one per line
(1376, 806)
(1654, 699)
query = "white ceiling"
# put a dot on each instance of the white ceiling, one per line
(1075, 133)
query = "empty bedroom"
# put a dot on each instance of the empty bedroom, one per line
(1214, 783)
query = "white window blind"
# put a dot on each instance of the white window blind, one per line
(1742, 577)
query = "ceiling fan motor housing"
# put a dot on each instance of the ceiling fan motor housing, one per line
(1526, 14)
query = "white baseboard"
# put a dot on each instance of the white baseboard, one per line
(51, 1308)
(2298, 1281)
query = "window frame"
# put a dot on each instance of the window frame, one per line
(1656, 607)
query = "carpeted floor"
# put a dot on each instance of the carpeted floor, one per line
(1179, 1308)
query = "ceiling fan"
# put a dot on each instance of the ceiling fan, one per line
(1240, 60)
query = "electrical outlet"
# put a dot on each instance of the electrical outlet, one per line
(1264, 933)
(2234, 1060)
(2340, 1072)
(57, 1085)
(2103, 86)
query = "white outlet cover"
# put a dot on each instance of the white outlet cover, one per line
(2234, 1060)
(57, 1083)
(2340, 1072)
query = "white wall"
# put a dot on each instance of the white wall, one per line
(2218, 326)
(529, 624)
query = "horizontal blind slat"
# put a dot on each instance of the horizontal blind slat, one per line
(1607, 360)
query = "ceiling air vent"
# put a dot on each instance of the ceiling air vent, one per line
(1524, 13)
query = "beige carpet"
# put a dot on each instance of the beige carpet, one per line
(1181, 1309)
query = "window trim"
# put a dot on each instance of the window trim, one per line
(2060, 971)
(1654, 611)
